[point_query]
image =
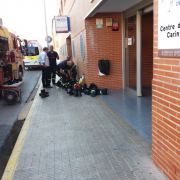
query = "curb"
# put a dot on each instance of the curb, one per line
(13, 160)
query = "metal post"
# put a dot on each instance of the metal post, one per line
(139, 53)
(46, 24)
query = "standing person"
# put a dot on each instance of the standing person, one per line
(44, 62)
(53, 55)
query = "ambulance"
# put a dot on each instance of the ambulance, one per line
(31, 54)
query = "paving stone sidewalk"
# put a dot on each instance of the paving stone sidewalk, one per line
(82, 139)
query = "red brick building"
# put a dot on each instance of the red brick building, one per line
(134, 63)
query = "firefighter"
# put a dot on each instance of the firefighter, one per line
(68, 58)
(44, 62)
(62, 70)
(53, 55)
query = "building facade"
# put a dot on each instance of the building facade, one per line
(134, 62)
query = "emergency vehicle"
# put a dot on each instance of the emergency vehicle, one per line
(11, 66)
(32, 53)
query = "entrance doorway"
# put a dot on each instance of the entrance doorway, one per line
(147, 52)
(139, 52)
(130, 53)
(68, 44)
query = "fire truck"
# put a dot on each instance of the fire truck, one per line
(11, 66)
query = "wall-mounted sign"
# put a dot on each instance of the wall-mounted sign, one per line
(115, 26)
(130, 41)
(109, 22)
(62, 24)
(99, 23)
(169, 28)
(49, 39)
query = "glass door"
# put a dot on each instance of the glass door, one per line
(130, 53)
(133, 62)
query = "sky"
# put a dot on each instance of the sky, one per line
(27, 19)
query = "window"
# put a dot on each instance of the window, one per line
(82, 47)
(32, 51)
(3, 47)
(13, 41)
(73, 48)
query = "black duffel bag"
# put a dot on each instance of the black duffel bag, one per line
(104, 66)
(102, 91)
(87, 91)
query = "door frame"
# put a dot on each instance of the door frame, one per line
(139, 52)
(138, 91)
(134, 10)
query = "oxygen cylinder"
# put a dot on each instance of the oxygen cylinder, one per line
(81, 80)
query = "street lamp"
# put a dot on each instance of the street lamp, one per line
(46, 24)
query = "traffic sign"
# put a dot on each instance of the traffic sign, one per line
(49, 39)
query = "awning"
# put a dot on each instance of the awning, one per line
(111, 6)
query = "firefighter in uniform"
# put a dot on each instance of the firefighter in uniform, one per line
(62, 71)
(53, 55)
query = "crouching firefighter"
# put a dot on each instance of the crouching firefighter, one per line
(62, 70)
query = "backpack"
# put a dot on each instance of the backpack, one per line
(93, 92)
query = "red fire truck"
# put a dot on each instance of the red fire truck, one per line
(11, 66)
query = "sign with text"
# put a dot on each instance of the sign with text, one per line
(62, 24)
(32, 44)
(169, 28)
(129, 41)
(99, 23)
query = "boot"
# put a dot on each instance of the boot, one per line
(71, 92)
(44, 94)
(79, 93)
(75, 93)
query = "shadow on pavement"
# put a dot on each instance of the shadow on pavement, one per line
(6, 151)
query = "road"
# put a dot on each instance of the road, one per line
(9, 114)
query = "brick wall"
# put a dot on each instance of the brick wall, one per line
(165, 110)
(81, 65)
(104, 44)
(77, 24)
(147, 49)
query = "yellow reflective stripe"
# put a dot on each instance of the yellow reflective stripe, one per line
(93, 91)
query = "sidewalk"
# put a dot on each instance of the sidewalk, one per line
(82, 139)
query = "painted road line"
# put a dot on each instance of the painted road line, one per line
(25, 110)
(13, 160)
